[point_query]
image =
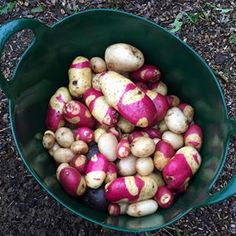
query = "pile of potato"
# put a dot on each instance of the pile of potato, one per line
(120, 142)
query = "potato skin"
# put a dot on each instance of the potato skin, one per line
(193, 136)
(176, 140)
(62, 155)
(159, 87)
(79, 147)
(127, 166)
(80, 76)
(79, 163)
(187, 110)
(125, 125)
(64, 137)
(85, 134)
(111, 172)
(144, 166)
(48, 139)
(123, 148)
(164, 197)
(98, 64)
(122, 57)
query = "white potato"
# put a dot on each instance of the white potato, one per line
(64, 137)
(176, 140)
(127, 166)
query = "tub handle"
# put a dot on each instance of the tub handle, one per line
(6, 31)
(230, 189)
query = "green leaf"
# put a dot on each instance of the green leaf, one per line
(7, 8)
(232, 39)
(221, 10)
(178, 22)
(37, 9)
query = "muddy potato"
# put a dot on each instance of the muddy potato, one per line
(142, 147)
(95, 198)
(64, 137)
(79, 147)
(122, 57)
(127, 166)
(98, 64)
(48, 139)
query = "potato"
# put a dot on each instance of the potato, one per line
(96, 83)
(63, 155)
(123, 148)
(142, 147)
(59, 168)
(173, 100)
(122, 57)
(125, 125)
(176, 140)
(107, 144)
(137, 134)
(116, 209)
(98, 133)
(157, 177)
(111, 172)
(85, 134)
(187, 110)
(98, 64)
(64, 137)
(79, 147)
(193, 136)
(142, 208)
(159, 87)
(144, 166)
(164, 197)
(176, 121)
(116, 131)
(48, 139)
(79, 163)
(80, 76)
(152, 132)
(53, 149)
(162, 126)
(127, 166)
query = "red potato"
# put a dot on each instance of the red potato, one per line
(85, 134)
(142, 208)
(160, 103)
(123, 148)
(159, 87)
(162, 126)
(137, 134)
(127, 166)
(122, 94)
(122, 57)
(176, 121)
(96, 171)
(193, 136)
(141, 86)
(54, 117)
(163, 153)
(187, 110)
(98, 133)
(146, 73)
(152, 132)
(79, 147)
(79, 163)
(52, 150)
(78, 114)
(99, 108)
(80, 76)
(98, 64)
(107, 144)
(173, 101)
(176, 140)
(144, 166)
(115, 131)
(71, 180)
(64, 137)
(130, 189)
(181, 167)
(125, 125)
(111, 172)
(116, 209)
(62, 155)
(142, 147)
(59, 168)
(48, 139)
(164, 197)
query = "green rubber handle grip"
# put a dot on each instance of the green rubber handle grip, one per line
(6, 31)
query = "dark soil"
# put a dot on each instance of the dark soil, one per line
(25, 208)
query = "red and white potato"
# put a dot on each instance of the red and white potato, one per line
(111, 172)
(116, 209)
(107, 144)
(142, 147)
(79, 147)
(159, 87)
(79, 163)
(137, 134)
(85, 134)
(96, 83)
(80, 76)
(98, 133)
(146, 73)
(157, 177)
(176, 121)
(152, 132)
(123, 148)
(164, 197)
(142, 86)
(48, 139)
(160, 103)
(130, 189)
(61, 155)
(116, 131)
(127, 166)
(96, 171)
(176, 140)
(125, 125)
(78, 114)
(144, 166)
(64, 137)
(173, 100)
(181, 167)
(59, 168)
(193, 136)
(133, 104)
(156, 140)
(54, 117)
(122, 57)
(71, 180)
(142, 208)
(98, 65)
(187, 110)
(163, 153)
(99, 108)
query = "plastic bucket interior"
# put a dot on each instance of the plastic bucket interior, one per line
(43, 68)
